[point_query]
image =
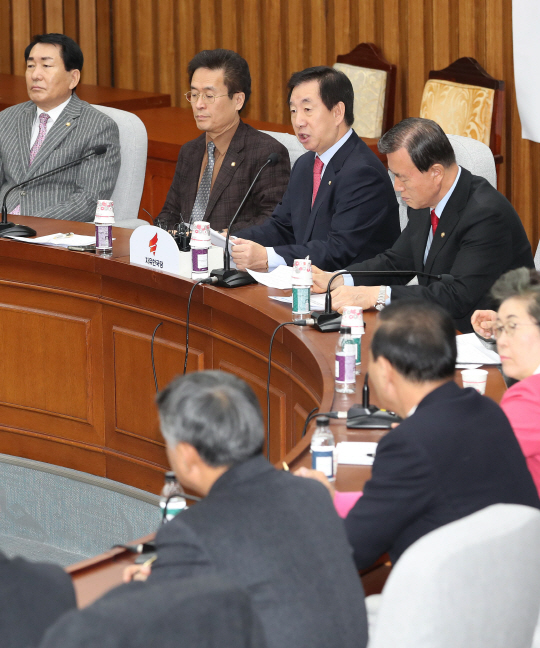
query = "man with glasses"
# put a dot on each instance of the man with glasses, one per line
(214, 171)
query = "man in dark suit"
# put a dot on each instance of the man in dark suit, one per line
(454, 453)
(458, 225)
(53, 128)
(214, 171)
(339, 206)
(264, 530)
(32, 597)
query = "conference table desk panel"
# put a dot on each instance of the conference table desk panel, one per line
(13, 91)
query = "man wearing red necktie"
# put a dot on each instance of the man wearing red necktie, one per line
(458, 225)
(339, 206)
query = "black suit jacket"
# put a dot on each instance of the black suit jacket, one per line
(197, 612)
(248, 151)
(277, 537)
(355, 214)
(32, 597)
(479, 238)
(455, 455)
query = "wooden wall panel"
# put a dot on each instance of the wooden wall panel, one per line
(147, 45)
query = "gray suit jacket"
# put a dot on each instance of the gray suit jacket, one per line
(278, 537)
(70, 194)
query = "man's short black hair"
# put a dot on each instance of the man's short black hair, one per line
(418, 339)
(334, 86)
(235, 69)
(70, 51)
(215, 412)
(423, 139)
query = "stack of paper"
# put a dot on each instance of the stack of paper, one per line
(471, 352)
(356, 453)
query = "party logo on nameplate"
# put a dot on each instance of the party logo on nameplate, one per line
(154, 248)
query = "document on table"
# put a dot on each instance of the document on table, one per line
(356, 453)
(316, 301)
(470, 351)
(218, 240)
(280, 278)
(61, 240)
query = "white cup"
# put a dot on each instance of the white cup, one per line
(475, 378)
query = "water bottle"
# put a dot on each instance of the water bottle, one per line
(353, 316)
(302, 280)
(323, 449)
(171, 502)
(345, 362)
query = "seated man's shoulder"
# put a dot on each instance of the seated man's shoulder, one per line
(13, 111)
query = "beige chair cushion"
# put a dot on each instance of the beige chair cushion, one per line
(458, 108)
(369, 92)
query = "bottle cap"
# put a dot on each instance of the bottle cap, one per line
(301, 274)
(104, 212)
(323, 420)
(344, 330)
(170, 476)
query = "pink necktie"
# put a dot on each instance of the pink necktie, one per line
(317, 170)
(43, 119)
(434, 221)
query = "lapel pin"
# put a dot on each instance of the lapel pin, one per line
(329, 182)
(442, 234)
(233, 163)
(68, 124)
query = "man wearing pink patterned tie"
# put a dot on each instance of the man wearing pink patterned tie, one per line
(339, 206)
(53, 128)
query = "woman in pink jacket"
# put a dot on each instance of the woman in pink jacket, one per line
(516, 329)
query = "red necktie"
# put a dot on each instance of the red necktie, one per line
(434, 221)
(317, 170)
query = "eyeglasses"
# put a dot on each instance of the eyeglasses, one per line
(207, 97)
(510, 328)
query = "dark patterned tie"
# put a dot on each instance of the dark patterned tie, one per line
(203, 194)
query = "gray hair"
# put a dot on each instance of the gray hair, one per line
(215, 412)
(521, 283)
(423, 139)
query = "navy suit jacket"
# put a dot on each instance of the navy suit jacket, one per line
(278, 537)
(455, 455)
(479, 238)
(354, 217)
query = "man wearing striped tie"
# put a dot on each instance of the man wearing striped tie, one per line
(54, 128)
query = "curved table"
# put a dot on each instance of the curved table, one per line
(77, 387)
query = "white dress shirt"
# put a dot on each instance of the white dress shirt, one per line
(54, 113)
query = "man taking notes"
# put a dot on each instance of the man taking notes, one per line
(458, 225)
(53, 128)
(266, 531)
(215, 170)
(339, 206)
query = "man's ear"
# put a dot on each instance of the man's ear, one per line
(338, 112)
(437, 172)
(240, 100)
(75, 78)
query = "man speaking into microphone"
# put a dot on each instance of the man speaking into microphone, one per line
(458, 225)
(55, 128)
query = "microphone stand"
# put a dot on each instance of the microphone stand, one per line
(227, 278)
(329, 321)
(24, 230)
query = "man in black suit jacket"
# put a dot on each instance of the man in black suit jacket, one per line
(32, 597)
(352, 214)
(478, 234)
(220, 87)
(455, 452)
(264, 530)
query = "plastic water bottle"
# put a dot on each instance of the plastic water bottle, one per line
(171, 502)
(346, 362)
(302, 280)
(353, 316)
(323, 449)
(104, 221)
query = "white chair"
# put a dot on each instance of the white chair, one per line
(474, 583)
(537, 258)
(129, 185)
(471, 155)
(290, 142)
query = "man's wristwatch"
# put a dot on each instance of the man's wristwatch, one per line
(381, 299)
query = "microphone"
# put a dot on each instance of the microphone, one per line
(23, 230)
(228, 278)
(329, 320)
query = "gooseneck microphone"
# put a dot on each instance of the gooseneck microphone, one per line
(330, 320)
(226, 277)
(28, 231)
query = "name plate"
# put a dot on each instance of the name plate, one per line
(154, 248)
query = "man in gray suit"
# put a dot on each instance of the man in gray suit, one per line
(52, 129)
(272, 534)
